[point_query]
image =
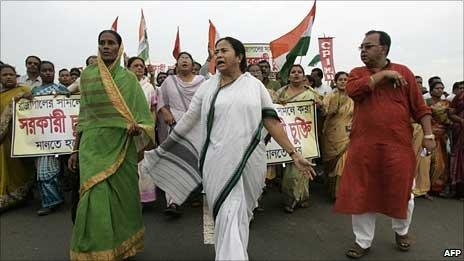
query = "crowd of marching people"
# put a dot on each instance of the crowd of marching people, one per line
(174, 131)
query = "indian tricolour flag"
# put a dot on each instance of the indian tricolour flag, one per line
(295, 43)
(143, 40)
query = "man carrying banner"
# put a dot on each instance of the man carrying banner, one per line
(380, 166)
(48, 167)
(114, 124)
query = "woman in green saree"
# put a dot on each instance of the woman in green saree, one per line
(114, 125)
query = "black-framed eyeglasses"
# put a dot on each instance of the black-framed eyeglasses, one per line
(367, 46)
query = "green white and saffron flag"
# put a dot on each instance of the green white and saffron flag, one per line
(295, 43)
(315, 60)
(143, 40)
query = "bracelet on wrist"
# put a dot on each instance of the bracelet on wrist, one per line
(291, 153)
(74, 151)
(429, 137)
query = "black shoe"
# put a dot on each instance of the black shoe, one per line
(173, 210)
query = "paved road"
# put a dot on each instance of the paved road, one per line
(315, 233)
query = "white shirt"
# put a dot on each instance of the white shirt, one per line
(149, 91)
(323, 89)
(451, 97)
(75, 86)
(24, 80)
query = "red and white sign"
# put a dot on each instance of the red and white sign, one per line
(326, 54)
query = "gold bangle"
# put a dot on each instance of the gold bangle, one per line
(74, 151)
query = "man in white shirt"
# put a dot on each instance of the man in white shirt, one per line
(32, 76)
(64, 77)
(322, 89)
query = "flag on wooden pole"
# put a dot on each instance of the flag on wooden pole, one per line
(143, 40)
(176, 50)
(295, 43)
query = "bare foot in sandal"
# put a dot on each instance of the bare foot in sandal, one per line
(403, 242)
(356, 251)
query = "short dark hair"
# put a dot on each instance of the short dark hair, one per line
(32, 56)
(5, 66)
(161, 73)
(319, 72)
(295, 65)
(87, 61)
(75, 71)
(62, 70)
(384, 38)
(418, 77)
(434, 84)
(133, 59)
(266, 62)
(239, 49)
(197, 63)
(46, 62)
(431, 79)
(186, 53)
(338, 74)
(456, 85)
(118, 37)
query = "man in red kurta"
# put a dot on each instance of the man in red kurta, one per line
(379, 172)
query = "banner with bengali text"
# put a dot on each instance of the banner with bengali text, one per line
(46, 125)
(256, 52)
(299, 122)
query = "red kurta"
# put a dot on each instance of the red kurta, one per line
(379, 170)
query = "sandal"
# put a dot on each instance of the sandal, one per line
(304, 204)
(403, 242)
(357, 251)
(288, 209)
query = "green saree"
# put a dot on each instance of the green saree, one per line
(109, 223)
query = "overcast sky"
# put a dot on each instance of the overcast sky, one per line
(427, 36)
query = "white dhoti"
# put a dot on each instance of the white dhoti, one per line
(364, 225)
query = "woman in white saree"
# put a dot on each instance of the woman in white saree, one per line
(218, 145)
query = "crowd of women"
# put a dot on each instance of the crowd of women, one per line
(196, 145)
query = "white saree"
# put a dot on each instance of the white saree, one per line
(218, 145)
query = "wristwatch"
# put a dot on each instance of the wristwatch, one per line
(429, 137)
